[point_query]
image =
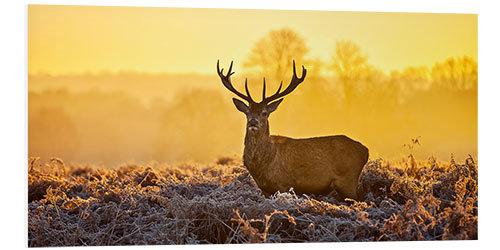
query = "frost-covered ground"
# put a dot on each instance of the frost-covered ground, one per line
(220, 203)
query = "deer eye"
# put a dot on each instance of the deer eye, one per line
(264, 113)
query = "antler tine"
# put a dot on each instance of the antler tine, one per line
(277, 91)
(293, 84)
(231, 67)
(226, 81)
(304, 71)
(264, 90)
(246, 89)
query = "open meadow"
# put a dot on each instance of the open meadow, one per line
(190, 203)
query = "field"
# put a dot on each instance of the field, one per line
(190, 203)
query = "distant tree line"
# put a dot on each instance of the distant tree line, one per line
(382, 110)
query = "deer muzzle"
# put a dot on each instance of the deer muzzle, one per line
(253, 125)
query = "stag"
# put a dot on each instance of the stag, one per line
(316, 165)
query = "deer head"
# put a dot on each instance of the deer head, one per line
(257, 113)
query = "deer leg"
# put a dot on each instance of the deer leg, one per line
(266, 194)
(346, 189)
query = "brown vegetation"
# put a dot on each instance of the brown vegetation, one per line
(220, 203)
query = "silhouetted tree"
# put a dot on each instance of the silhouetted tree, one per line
(272, 55)
(351, 68)
(366, 90)
(412, 78)
(408, 81)
(456, 73)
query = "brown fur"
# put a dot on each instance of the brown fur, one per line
(312, 166)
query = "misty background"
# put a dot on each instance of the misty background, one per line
(127, 116)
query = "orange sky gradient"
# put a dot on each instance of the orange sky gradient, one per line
(185, 113)
(78, 39)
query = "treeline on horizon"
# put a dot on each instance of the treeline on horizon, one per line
(113, 118)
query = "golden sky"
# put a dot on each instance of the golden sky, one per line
(75, 39)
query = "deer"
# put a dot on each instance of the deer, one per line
(316, 165)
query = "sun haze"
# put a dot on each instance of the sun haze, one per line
(76, 39)
(117, 84)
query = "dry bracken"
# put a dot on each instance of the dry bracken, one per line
(75, 205)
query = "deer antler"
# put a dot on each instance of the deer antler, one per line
(293, 84)
(226, 81)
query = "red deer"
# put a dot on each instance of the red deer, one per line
(312, 165)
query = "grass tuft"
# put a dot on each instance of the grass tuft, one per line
(188, 203)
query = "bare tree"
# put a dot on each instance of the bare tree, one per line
(350, 66)
(272, 55)
(366, 89)
(408, 81)
(456, 73)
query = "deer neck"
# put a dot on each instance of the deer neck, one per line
(259, 150)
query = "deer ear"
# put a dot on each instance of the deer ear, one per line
(241, 106)
(274, 105)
